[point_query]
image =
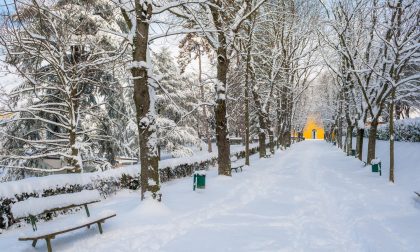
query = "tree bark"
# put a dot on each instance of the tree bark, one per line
(223, 145)
(345, 143)
(359, 143)
(75, 159)
(247, 131)
(391, 138)
(149, 159)
(349, 139)
(271, 139)
(372, 141)
(340, 132)
(278, 115)
(262, 124)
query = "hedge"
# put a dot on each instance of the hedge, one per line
(406, 130)
(106, 183)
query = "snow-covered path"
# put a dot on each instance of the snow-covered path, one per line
(308, 198)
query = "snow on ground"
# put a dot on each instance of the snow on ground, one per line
(407, 162)
(309, 198)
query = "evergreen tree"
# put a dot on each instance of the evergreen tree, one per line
(174, 99)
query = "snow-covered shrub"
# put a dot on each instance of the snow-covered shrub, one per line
(407, 130)
(6, 218)
(130, 182)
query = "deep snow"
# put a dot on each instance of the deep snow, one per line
(308, 198)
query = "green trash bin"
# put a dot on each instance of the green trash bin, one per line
(199, 180)
(376, 166)
(353, 153)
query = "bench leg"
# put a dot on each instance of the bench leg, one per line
(100, 227)
(87, 210)
(48, 240)
(34, 243)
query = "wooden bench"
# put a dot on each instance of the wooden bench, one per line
(236, 167)
(32, 207)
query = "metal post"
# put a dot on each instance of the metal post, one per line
(33, 222)
(380, 168)
(194, 181)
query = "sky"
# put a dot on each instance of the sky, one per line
(8, 80)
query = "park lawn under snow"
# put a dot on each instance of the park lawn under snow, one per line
(309, 198)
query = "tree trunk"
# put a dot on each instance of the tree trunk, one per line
(340, 133)
(247, 132)
(261, 143)
(372, 141)
(391, 138)
(268, 124)
(262, 117)
(262, 124)
(349, 139)
(278, 115)
(271, 139)
(359, 143)
(145, 110)
(75, 159)
(345, 143)
(223, 146)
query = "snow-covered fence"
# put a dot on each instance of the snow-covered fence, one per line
(406, 130)
(106, 183)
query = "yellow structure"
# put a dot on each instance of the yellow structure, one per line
(5, 116)
(313, 129)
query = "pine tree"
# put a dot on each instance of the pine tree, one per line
(174, 99)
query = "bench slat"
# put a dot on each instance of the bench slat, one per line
(52, 234)
(63, 208)
(37, 206)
